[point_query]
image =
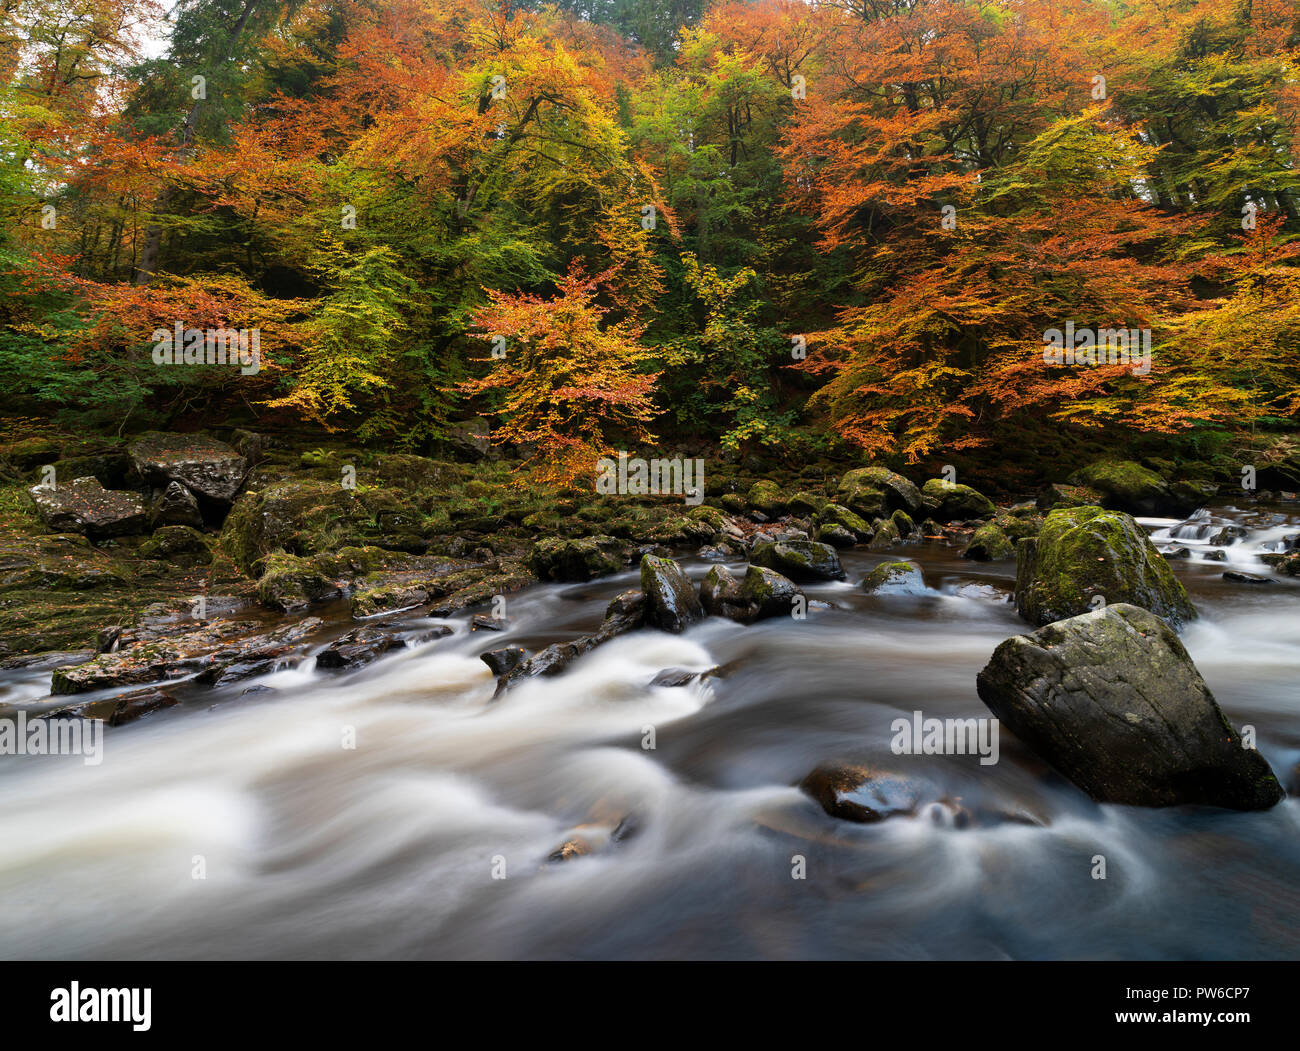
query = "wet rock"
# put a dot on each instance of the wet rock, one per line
(108, 638)
(626, 612)
(290, 583)
(884, 535)
(720, 594)
(48, 659)
(835, 535)
(84, 506)
(582, 559)
(176, 506)
(1112, 700)
(504, 660)
(989, 544)
(895, 578)
(840, 516)
(1130, 487)
(799, 560)
(178, 544)
(370, 602)
(876, 492)
(1245, 578)
(902, 523)
(1215, 556)
(209, 469)
(1083, 552)
(576, 847)
(1175, 552)
(145, 663)
(674, 677)
(858, 793)
(765, 497)
(120, 710)
(946, 501)
(671, 602)
(1227, 536)
(486, 622)
(363, 645)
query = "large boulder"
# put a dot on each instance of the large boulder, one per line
(762, 593)
(1085, 552)
(877, 492)
(1128, 486)
(554, 558)
(176, 506)
(946, 501)
(670, 602)
(85, 506)
(800, 560)
(765, 498)
(210, 469)
(1112, 700)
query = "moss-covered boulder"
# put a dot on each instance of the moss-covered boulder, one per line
(884, 534)
(877, 492)
(670, 601)
(947, 501)
(1056, 495)
(839, 515)
(762, 593)
(805, 504)
(900, 577)
(582, 559)
(800, 560)
(903, 523)
(1112, 700)
(833, 534)
(989, 543)
(1137, 490)
(1085, 552)
(765, 497)
(297, 517)
(183, 544)
(291, 583)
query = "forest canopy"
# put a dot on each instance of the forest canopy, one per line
(769, 225)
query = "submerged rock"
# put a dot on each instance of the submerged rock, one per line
(1083, 552)
(363, 645)
(120, 710)
(857, 793)
(1112, 700)
(799, 560)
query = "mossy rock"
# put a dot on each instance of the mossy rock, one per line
(1055, 495)
(989, 544)
(884, 534)
(805, 504)
(947, 501)
(733, 503)
(709, 516)
(903, 523)
(581, 559)
(1137, 490)
(835, 535)
(177, 543)
(899, 577)
(1085, 552)
(800, 560)
(291, 583)
(765, 497)
(670, 601)
(876, 492)
(839, 515)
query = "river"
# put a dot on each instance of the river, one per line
(429, 838)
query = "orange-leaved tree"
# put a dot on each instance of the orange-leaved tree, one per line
(572, 382)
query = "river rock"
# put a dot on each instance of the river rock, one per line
(210, 469)
(582, 559)
(120, 710)
(1137, 490)
(176, 506)
(765, 498)
(1083, 552)
(858, 793)
(799, 560)
(989, 543)
(877, 492)
(84, 506)
(899, 577)
(364, 645)
(670, 601)
(840, 516)
(1112, 700)
(946, 501)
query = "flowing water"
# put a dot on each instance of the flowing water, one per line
(395, 848)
